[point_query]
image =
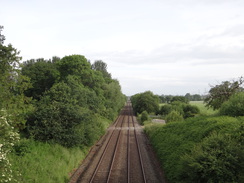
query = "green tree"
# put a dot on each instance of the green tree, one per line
(146, 101)
(165, 109)
(63, 116)
(234, 106)
(195, 97)
(42, 73)
(12, 86)
(180, 99)
(13, 105)
(76, 65)
(114, 99)
(220, 93)
(101, 66)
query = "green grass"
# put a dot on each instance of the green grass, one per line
(203, 109)
(40, 162)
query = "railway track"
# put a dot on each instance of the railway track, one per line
(118, 157)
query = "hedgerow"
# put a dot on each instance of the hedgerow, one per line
(200, 149)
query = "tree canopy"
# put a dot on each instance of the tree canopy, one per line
(220, 93)
(70, 94)
(146, 101)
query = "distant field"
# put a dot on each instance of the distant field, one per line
(204, 110)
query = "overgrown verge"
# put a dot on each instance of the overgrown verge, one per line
(200, 149)
(34, 161)
(44, 162)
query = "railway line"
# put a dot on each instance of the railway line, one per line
(120, 156)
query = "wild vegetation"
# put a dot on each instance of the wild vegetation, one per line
(202, 143)
(51, 108)
(200, 149)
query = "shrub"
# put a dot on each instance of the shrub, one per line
(216, 159)
(234, 106)
(200, 148)
(7, 139)
(144, 116)
(174, 116)
(190, 110)
(165, 109)
(61, 123)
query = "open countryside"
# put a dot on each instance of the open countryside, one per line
(138, 92)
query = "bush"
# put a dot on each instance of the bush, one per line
(200, 148)
(62, 123)
(8, 137)
(216, 159)
(174, 116)
(190, 110)
(234, 106)
(186, 110)
(144, 116)
(165, 109)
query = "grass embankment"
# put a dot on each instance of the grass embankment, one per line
(46, 162)
(43, 162)
(202, 149)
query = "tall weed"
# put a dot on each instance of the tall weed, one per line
(43, 162)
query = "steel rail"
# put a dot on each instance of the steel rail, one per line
(128, 152)
(106, 147)
(115, 150)
(139, 150)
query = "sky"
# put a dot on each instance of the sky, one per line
(165, 46)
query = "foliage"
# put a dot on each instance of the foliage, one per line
(190, 110)
(204, 111)
(173, 116)
(183, 109)
(146, 101)
(200, 149)
(144, 116)
(165, 98)
(179, 99)
(234, 106)
(220, 93)
(71, 98)
(13, 105)
(195, 97)
(217, 159)
(76, 65)
(8, 137)
(12, 86)
(72, 101)
(44, 162)
(165, 109)
(101, 66)
(42, 73)
(114, 99)
(64, 117)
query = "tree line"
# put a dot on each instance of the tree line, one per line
(59, 100)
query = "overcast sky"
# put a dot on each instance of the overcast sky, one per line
(166, 46)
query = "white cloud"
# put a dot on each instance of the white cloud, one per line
(167, 46)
